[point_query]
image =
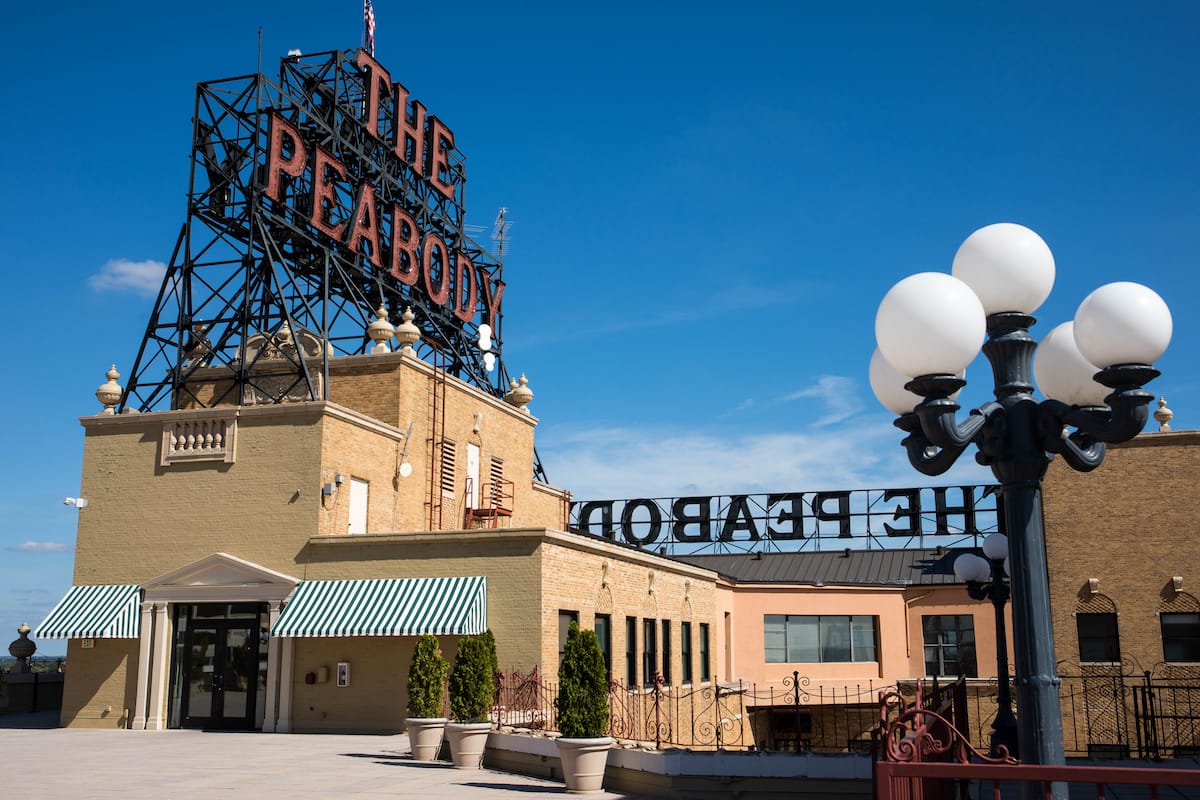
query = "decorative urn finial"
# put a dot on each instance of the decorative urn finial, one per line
(22, 649)
(407, 333)
(519, 393)
(109, 393)
(1163, 416)
(381, 330)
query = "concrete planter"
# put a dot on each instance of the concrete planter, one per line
(425, 736)
(583, 763)
(467, 740)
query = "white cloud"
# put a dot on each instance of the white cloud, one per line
(837, 392)
(614, 463)
(122, 275)
(39, 547)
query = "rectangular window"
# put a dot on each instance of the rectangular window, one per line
(359, 492)
(449, 466)
(704, 672)
(666, 650)
(950, 645)
(631, 651)
(565, 618)
(604, 634)
(685, 650)
(649, 651)
(1181, 637)
(1098, 637)
(791, 639)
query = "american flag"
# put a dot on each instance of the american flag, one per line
(369, 27)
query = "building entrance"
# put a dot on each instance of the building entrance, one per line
(219, 670)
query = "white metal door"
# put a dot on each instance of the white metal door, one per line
(473, 475)
(358, 506)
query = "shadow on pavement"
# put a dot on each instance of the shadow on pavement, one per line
(515, 787)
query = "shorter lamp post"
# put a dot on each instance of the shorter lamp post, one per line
(985, 579)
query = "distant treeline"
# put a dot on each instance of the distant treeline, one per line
(36, 664)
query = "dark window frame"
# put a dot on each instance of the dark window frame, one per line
(685, 652)
(631, 662)
(602, 625)
(1183, 645)
(953, 641)
(666, 652)
(649, 651)
(705, 671)
(1099, 638)
(836, 635)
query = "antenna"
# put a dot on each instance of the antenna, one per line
(500, 232)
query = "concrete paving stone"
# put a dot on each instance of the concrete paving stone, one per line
(194, 765)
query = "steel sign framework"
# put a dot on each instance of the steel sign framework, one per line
(314, 199)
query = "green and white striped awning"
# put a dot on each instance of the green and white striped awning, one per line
(94, 612)
(386, 607)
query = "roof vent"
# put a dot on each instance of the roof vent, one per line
(846, 552)
(756, 555)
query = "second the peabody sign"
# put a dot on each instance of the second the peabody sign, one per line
(897, 515)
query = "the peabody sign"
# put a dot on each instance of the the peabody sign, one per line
(798, 518)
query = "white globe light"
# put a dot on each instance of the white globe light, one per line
(888, 386)
(995, 546)
(489, 361)
(1008, 266)
(930, 323)
(970, 567)
(1122, 323)
(1063, 373)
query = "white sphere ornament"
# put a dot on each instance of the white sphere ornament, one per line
(1122, 323)
(995, 546)
(1008, 266)
(930, 323)
(888, 386)
(1062, 373)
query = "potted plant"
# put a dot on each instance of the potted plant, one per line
(582, 706)
(472, 689)
(426, 679)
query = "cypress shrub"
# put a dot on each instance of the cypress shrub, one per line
(426, 677)
(472, 681)
(582, 701)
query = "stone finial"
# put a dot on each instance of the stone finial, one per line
(381, 330)
(1163, 416)
(407, 333)
(22, 649)
(109, 393)
(519, 393)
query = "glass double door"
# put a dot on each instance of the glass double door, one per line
(223, 675)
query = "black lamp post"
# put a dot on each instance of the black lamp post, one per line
(985, 579)
(931, 325)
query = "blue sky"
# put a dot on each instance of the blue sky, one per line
(708, 202)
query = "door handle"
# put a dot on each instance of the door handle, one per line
(216, 681)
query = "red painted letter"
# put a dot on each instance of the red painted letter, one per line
(375, 77)
(464, 272)
(492, 301)
(404, 247)
(324, 198)
(364, 225)
(405, 132)
(440, 295)
(441, 142)
(277, 163)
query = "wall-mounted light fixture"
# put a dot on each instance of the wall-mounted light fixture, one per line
(1093, 586)
(78, 502)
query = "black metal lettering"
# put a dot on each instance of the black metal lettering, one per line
(944, 510)
(738, 518)
(793, 514)
(843, 512)
(627, 523)
(682, 519)
(584, 520)
(912, 512)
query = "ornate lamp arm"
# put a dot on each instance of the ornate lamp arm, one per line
(938, 412)
(924, 456)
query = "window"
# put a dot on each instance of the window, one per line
(359, 491)
(449, 462)
(1098, 637)
(685, 650)
(1181, 637)
(790, 639)
(950, 645)
(666, 650)
(649, 651)
(603, 629)
(565, 618)
(704, 673)
(631, 651)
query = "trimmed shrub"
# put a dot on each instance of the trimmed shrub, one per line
(426, 678)
(472, 681)
(582, 701)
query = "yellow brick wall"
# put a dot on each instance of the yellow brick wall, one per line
(101, 684)
(1131, 523)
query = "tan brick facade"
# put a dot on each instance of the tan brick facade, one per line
(1131, 525)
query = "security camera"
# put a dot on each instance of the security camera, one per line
(78, 502)
(68, 501)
